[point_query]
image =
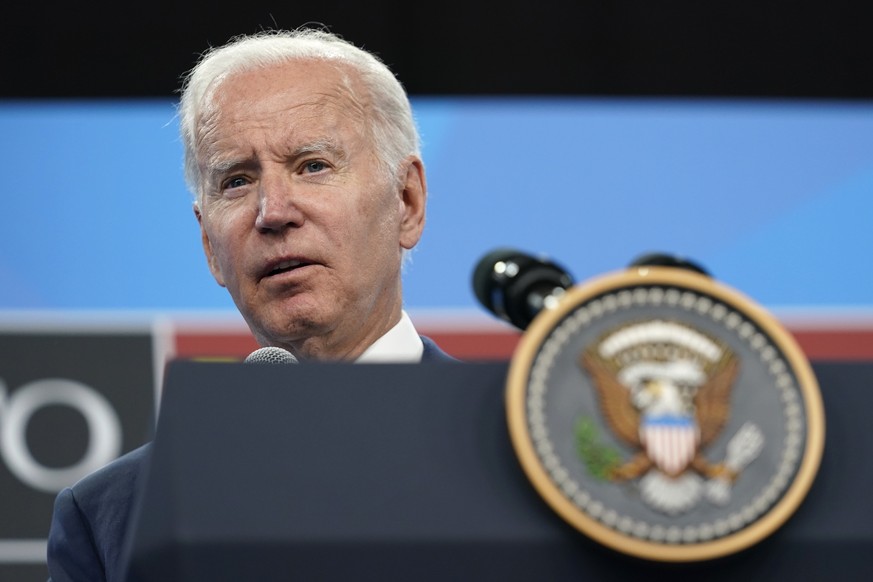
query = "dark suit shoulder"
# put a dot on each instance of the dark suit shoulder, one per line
(113, 480)
(433, 353)
(90, 521)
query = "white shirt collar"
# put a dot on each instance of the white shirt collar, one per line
(400, 344)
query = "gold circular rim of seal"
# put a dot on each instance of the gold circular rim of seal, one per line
(519, 371)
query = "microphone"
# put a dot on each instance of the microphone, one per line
(515, 286)
(666, 260)
(271, 355)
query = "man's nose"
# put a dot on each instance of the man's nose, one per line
(277, 204)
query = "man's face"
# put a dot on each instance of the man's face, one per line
(298, 219)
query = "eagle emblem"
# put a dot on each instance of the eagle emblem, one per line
(664, 390)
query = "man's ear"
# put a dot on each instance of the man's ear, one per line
(413, 203)
(211, 259)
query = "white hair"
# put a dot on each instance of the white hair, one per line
(390, 119)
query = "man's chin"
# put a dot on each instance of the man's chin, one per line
(291, 332)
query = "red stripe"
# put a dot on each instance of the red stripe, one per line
(818, 344)
(841, 345)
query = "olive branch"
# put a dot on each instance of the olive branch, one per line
(598, 458)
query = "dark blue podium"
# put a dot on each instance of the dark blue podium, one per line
(406, 472)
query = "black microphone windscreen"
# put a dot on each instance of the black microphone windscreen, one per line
(484, 281)
(667, 260)
(513, 285)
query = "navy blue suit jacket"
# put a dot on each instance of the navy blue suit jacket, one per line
(90, 519)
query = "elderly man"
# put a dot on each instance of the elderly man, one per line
(304, 161)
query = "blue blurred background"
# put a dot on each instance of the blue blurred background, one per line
(774, 197)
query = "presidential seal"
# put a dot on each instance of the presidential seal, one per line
(665, 415)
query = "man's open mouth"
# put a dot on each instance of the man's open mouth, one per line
(284, 267)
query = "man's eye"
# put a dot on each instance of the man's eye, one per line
(314, 167)
(236, 182)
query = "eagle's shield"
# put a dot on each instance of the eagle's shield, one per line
(670, 441)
